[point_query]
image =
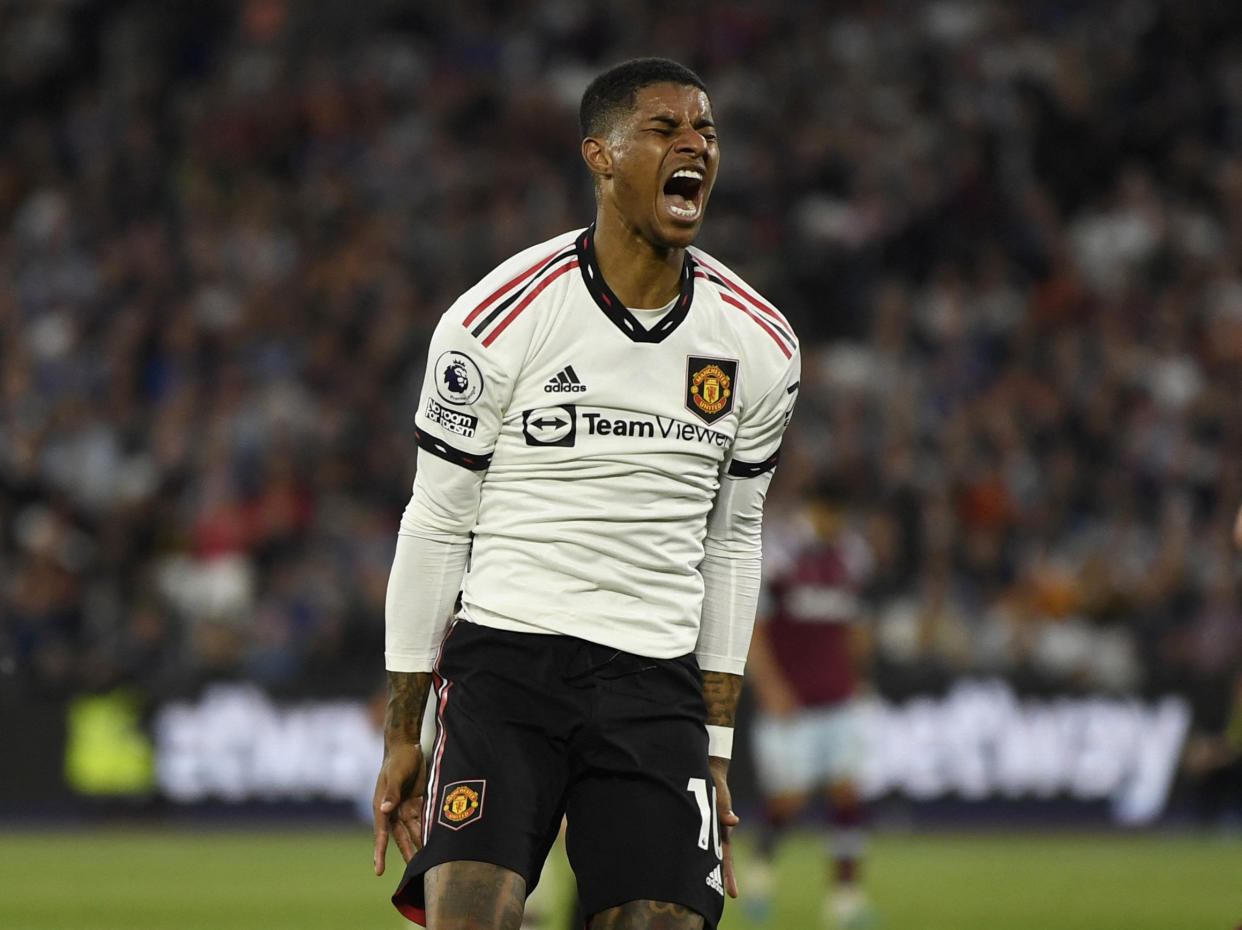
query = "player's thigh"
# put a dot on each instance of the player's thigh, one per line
(641, 808)
(841, 743)
(473, 896)
(785, 755)
(637, 838)
(497, 771)
(647, 915)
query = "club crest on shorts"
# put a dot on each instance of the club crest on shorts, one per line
(710, 386)
(462, 803)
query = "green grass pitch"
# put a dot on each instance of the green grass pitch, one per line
(111, 879)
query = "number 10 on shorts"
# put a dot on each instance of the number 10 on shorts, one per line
(707, 810)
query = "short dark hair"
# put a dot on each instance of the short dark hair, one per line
(616, 90)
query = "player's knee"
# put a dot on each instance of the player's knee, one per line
(781, 808)
(843, 794)
(647, 915)
(473, 896)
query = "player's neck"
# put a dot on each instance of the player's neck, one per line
(642, 275)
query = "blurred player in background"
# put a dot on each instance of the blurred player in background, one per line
(806, 659)
(1212, 757)
(600, 419)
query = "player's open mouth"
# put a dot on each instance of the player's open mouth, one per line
(682, 193)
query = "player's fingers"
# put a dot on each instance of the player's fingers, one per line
(416, 833)
(382, 805)
(381, 843)
(411, 815)
(405, 842)
(728, 820)
(730, 879)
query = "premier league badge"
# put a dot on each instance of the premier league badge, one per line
(710, 386)
(458, 379)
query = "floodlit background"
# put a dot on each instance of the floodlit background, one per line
(1009, 234)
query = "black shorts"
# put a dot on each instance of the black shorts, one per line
(530, 727)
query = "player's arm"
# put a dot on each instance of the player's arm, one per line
(771, 686)
(732, 556)
(432, 547)
(456, 427)
(721, 691)
(730, 570)
(402, 780)
(731, 587)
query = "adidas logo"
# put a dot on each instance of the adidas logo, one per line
(715, 881)
(564, 381)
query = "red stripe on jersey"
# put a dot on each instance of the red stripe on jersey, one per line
(766, 328)
(763, 307)
(754, 316)
(508, 286)
(525, 301)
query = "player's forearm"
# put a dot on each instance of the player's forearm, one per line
(426, 576)
(730, 599)
(721, 692)
(407, 698)
(764, 672)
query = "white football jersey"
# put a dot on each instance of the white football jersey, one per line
(584, 445)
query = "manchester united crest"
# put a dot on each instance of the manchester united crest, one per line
(710, 386)
(462, 803)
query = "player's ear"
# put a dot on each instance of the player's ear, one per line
(598, 156)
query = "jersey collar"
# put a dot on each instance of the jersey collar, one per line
(616, 311)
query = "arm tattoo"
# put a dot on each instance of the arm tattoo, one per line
(720, 692)
(407, 695)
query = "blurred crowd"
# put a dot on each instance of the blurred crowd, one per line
(1010, 235)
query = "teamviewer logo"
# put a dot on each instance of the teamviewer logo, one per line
(550, 426)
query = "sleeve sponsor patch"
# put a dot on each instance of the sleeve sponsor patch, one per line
(457, 422)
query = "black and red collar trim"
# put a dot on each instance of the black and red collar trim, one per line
(616, 311)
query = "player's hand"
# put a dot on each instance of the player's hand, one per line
(398, 803)
(1237, 529)
(728, 820)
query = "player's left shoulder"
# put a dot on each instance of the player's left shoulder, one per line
(743, 309)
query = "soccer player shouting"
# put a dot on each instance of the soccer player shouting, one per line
(599, 423)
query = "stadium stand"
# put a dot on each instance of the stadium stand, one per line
(1009, 234)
